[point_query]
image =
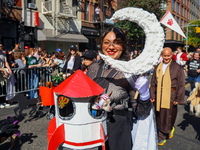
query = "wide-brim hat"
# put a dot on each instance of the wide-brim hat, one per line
(89, 54)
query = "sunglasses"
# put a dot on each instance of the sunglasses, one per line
(115, 43)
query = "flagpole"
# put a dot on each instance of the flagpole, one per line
(186, 46)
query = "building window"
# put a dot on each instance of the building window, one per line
(184, 12)
(181, 10)
(177, 19)
(172, 35)
(177, 8)
(176, 36)
(104, 13)
(31, 1)
(74, 3)
(181, 22)
(86, 10)
(173, 5)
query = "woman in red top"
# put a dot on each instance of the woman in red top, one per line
(180, 57)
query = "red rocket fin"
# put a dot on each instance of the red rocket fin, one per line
(51, 128)
(57, 138)
(102, 137)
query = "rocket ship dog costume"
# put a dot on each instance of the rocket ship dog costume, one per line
(73, 124)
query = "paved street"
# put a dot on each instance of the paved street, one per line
(34, 130)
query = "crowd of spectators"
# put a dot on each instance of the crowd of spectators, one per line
(32, 58)
(22, 64)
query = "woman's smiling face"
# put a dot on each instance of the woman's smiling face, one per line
(111, 46)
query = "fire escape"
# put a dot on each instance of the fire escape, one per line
(9, 11)
(11, 15)
(60, 15)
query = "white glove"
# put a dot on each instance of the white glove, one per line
(142, 86)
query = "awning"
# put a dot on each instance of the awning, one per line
(47, 35)
(90, 31)
(173, 42)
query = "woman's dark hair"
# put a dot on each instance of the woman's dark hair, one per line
(43, 53)
(197, 53)
(61, 55)
(181, 48)
(52, 53)
(69, 54)
(120, 34)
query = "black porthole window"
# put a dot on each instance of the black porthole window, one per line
(66, 107)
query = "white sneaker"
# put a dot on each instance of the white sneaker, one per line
(2, 106)
(7, 105)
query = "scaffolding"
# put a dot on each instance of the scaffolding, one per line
(59, 14)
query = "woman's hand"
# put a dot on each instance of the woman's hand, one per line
(5, 73)
(175, 103)
(142, 86)
(13, 64)
(68, 74)
(198, 71)
(23, 58)
(39, 65)
(152, 100)
(10, 71)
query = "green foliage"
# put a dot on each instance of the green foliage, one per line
(135, 32)
(193, 37)
(57, 78)
(152, 6)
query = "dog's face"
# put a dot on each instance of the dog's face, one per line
(49, 84)
(106, 105)
(103, 102)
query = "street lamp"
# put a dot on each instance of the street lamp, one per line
(188, 25)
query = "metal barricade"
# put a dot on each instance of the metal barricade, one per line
(28, 79)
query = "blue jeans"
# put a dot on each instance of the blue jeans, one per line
(33, 84)
(192, 81)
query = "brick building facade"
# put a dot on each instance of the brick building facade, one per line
(180, 9)
(91, 27)
(10, 17)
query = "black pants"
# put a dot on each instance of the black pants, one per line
(119, 128)
(2, 92)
